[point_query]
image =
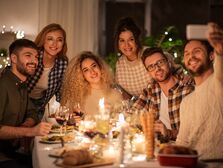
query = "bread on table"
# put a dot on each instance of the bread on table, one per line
(77, 157)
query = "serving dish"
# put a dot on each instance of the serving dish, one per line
(181, 160)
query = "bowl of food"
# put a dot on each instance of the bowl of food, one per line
(173, 155)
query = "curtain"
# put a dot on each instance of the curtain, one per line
(79, 18)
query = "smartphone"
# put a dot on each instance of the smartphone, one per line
(196, 31)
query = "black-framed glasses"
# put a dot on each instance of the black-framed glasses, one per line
(159, 63)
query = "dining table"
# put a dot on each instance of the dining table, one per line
(41, 157)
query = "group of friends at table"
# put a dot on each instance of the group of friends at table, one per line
(188, 108)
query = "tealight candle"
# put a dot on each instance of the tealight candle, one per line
(138, 143)
(109, 153)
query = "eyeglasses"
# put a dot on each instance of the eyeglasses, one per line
(159, 63)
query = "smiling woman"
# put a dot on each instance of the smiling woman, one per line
(87, 80)
(53, 61)
(131, 75)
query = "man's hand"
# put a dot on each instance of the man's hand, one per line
(41, 129)
(215, 37)
(160, 127)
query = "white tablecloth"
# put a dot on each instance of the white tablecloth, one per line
(41, 158)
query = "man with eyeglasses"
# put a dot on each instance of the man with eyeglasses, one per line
(201, 112)
(164, 93)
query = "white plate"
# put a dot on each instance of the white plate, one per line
(46, 139)
(57, 129)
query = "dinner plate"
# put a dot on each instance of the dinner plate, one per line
(54, 139)
(57, 129)
(59, 162)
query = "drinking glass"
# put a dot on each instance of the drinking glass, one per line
(62, 116)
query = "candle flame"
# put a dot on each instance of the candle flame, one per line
(102, 106)
(121, 119)
(101, 103)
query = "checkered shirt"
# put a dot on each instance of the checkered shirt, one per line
(151, 97)
(54, 81)
(131, 76)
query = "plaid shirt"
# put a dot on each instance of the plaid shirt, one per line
(151, 99)
(54, 81)
(131, 76)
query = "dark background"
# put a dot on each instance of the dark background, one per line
(163, 13)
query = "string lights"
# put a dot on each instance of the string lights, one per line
(19, 33)
(4, 58)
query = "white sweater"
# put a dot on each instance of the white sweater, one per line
(201, 116)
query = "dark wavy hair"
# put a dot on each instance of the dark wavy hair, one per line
(205, 43)
(127, 24)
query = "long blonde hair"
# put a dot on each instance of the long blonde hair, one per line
(75, 88)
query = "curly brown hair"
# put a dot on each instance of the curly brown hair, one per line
(75, 88)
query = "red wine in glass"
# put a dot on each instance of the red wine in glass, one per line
(60, 120)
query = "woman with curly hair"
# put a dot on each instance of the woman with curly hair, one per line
(86, 81)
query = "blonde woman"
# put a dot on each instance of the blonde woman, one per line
(87, 80)
(47, 80)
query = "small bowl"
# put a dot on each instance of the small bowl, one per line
(177, 160)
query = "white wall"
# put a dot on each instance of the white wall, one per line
(21, 14)
(79, 18)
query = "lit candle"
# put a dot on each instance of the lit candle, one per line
(122, 122)
(121, 145)
(102, 106)
(122, 126)
(109, 153)
(138, 143)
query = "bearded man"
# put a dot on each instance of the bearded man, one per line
(164, 92)
(201, 113)
(18, 117)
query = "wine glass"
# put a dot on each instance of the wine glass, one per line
(62, 116)
(76, 114)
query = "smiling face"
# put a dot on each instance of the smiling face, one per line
(127, 45)
(158, 67)
(25, 61)
(196, 58)
(53, 43)
(91, 71)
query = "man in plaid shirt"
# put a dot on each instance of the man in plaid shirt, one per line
(164, 93)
